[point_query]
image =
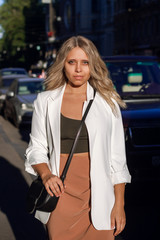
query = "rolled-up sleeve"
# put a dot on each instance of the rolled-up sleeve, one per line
(119, 169)
(37, 151)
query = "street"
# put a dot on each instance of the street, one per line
(69, 49)
(142, 198)
(15, 222)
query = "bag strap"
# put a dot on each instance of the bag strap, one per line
(63, 176)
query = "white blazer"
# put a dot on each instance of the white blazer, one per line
(106, 143)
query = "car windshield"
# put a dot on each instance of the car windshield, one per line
(36, 71)
(30, 87)
(6, 82)
(13, 71)
(139, 79)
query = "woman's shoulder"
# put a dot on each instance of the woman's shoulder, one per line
(45, 94)
(48, 93)
(106, 106)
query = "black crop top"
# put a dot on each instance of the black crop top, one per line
(69, 128)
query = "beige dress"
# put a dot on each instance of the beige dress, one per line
(71, 218)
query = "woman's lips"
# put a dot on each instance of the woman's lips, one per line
(78, 77)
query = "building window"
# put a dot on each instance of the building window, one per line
(109, 10)
(67, 14)
(95, 6)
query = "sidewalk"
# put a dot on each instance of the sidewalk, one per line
(15, 222)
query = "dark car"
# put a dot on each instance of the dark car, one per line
(18, 105)
(11, 71)
(137, 80)
(35, 72)
(5, 82)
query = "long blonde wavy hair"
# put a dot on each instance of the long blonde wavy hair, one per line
(99, 75)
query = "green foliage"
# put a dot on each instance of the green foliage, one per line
(13, 22)
(23, 22)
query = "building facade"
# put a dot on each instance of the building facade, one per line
(137, 27)
(92, 19)
(115, 26)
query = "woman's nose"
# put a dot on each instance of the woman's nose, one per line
(78, 67)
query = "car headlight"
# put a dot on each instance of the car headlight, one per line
(26, 106)
(2, 97)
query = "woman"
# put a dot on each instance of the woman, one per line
(91, 204)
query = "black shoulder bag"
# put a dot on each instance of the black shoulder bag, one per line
(37, 197)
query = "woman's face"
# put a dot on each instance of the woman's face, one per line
(77, 67)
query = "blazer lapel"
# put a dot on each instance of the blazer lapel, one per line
(54, 110)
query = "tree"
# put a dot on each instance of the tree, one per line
(12, 21)
(23, 23)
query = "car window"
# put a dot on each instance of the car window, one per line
(36, 71)
(30, 87)
(9, 72)
(6, 82)
(129, 78)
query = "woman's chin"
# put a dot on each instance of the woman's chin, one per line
(77, 84)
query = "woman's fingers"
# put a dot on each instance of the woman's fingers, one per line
(54, 186)
(118, 219)
(49, 190)
(120, 224)
(61, 185)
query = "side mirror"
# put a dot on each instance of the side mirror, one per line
(10, 94)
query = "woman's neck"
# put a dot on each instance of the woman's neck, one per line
(76, 90)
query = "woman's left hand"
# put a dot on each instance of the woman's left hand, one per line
(118, 219)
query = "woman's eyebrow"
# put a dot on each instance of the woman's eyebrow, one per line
(77, 59)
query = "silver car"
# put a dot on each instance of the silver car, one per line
(5, 82)
(18, 106)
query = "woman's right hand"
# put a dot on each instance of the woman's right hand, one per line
(53, 185)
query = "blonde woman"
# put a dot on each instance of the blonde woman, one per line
(91, 204)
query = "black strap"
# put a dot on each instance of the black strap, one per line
(63, 176)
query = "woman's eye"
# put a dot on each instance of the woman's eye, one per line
(74, 62)
(71, 62)
(85, 62)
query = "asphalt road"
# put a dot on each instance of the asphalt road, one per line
(142, 197)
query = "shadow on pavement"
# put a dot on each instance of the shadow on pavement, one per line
(13, 190)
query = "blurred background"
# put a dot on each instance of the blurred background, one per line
(127, 35)
(31, 31)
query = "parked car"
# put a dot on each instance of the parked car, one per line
(5, 82)
(35, 72)
(11, 71)
(137, 79)
(18, 105)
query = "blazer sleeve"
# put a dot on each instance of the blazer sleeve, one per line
(119, 169)
(37, 151)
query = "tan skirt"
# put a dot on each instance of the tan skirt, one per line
(71, 218)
